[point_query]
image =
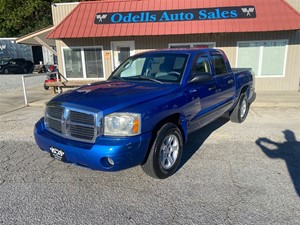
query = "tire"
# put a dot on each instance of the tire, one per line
(25, 70)
(46, 87)
(241, 110)
(165, 153)
(5, 71)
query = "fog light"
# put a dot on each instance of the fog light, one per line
(107, 162)
(110, 161)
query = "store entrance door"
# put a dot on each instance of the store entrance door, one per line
(121, 51)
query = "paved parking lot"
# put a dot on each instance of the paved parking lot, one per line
(231, 174)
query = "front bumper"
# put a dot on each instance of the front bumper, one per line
(125, 152)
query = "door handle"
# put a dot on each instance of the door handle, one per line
(212, 87)
(230, 82)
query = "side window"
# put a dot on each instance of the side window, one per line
(219, 64)
(201, 65)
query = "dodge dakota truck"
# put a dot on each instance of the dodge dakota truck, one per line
(142, 114)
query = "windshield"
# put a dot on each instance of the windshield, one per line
(154, 67)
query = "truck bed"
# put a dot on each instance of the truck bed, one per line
(237, 70)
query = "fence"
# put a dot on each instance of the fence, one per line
(24, 84)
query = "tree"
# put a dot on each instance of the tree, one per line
(20, 17)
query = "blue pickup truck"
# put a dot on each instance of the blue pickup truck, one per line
(143, 113)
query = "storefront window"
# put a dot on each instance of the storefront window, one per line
(273, 58)
(266, 58)
(249, 56)
(93, 63)
(83, 62)
(73, 63)
(193, 45)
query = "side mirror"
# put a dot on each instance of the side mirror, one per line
(200, 78)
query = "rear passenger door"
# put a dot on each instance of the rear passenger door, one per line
(224, 79)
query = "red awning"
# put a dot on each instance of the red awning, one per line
(108, 18)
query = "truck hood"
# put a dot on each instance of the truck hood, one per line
(112, 96)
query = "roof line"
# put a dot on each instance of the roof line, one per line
(32, 34)
(291, 7)
(64, 3)
(86, 2)
(70, 13)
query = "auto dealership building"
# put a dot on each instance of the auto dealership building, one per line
(92, 38)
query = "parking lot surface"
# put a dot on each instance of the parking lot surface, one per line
(12, 93)
(245, 173)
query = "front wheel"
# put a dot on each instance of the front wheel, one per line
(241, 110)
(165, 153)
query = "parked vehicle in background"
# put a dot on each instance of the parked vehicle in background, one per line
(18, 65)
(143, 113)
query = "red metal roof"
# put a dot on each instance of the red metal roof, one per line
(271, 15)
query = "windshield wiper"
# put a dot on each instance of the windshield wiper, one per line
(116, 78)
(149, 78)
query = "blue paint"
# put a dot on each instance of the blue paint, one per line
(173, 94)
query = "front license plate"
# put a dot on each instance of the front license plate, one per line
(57, 154)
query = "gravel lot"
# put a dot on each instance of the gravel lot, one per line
(228, 176)
(14, 81)
(12, 95)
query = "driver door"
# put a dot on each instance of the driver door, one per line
(201, 97)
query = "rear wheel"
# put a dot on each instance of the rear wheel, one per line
(241, 110)
(165, 153)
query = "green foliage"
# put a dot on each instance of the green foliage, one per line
(20, 17)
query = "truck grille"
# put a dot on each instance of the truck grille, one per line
(72, 123)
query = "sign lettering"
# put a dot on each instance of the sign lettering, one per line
(200, 14)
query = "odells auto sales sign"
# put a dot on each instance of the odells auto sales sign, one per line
(238, 12)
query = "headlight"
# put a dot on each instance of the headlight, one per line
(122, 124)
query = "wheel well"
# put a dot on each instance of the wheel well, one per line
(175, 118)
(245, 90)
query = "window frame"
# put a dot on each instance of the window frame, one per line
(84, 72)
(261, 51)
(193, 70)
(217, 54)
(192, 44)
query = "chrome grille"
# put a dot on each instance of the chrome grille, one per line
(79, 117)
(82, 132)
(72, 123)
(55, 112)
(54, 124)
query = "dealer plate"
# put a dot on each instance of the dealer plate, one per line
(57, 154)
